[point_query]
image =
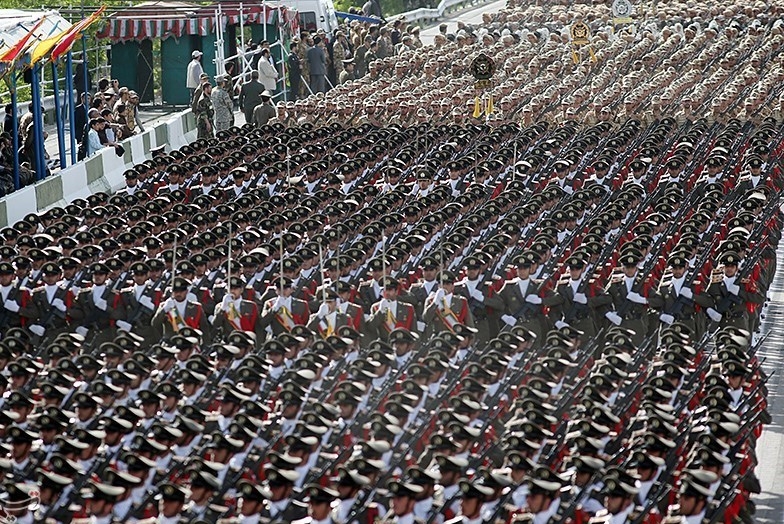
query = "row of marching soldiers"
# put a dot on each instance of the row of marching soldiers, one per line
(589, 355)
(608, 426)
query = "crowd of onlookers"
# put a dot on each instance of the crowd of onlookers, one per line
(106, 118)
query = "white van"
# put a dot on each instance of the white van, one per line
(315, 14)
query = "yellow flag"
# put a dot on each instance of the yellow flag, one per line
(45, 46)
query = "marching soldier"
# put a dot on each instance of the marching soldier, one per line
(443, 309)
(235, 313)
(580, 298)
(389, 313)
(678, 299)
(51, 302)
(329, 318)
(177, 312)
(629, 305)
(96, 310)
(142, 301)
(282, 313)
(731, 297)
(484, 304)
(16, 299)
(522, 303)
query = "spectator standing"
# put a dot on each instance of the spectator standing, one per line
(24, 122)
(80, 116)
(360, 60)
(205, 113)
(347, 75)
(93, 138)
(203, 79)
(222, 104)
(134, 122)
(317, 62)
(79, 76)
(268, 75)
(250, 95)
(295, 71)
(8, 123)
(265, 111)
(341, 50)
(194, 73)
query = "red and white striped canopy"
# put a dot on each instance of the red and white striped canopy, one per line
(175, 19)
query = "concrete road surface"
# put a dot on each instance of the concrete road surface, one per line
(469, 16)
(770, 446)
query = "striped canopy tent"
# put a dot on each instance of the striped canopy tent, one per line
(177, 19)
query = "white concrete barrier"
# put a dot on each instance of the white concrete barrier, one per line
(101, 172)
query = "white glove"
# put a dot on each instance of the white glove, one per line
(323, 310)
(147, 302)
(477, 295)
(667, 319)
(580, 298)
(613, 317)
(101, 304)
(686, 292)
(37, 330)
(560, 324)
(733, 288)
(225, 303)
(533, 299)
(439, 298)
(509, 319)
(123, 325)
(714, 315)
(59, 304)
(383, 306)
(11, 306)
(636, 297)
(81, 330)
(421, 326)
(168, 305)
(278, 304)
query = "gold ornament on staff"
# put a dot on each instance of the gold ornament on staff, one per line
(483, 69)
(580, 34)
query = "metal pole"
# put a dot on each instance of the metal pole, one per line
(283, 59)
(85, 67)
(69, 89)
(35, 86)
(264, 18)
(15, 133)
(58, 116)
(241, 53)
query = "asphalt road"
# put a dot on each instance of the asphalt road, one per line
(467, 16)
(770, 446)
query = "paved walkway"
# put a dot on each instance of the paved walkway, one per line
(770, 447)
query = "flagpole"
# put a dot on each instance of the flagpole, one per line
(69, 89)
(85, 72)
(15, 133)
(40, 166)
(58, 116)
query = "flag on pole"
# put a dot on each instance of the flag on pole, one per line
(46, 45)
(18, 49)
(65, 43)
